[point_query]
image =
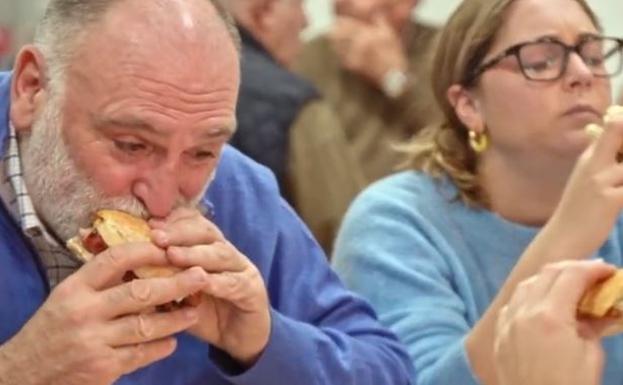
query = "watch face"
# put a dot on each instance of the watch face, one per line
(394, 83)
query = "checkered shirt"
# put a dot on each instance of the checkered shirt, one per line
(57, 260)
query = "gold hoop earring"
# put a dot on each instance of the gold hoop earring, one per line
(478, 141)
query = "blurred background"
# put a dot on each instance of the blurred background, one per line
(18, 18)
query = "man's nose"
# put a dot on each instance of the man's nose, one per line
(159, 190)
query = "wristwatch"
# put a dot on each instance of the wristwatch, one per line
(394, 83)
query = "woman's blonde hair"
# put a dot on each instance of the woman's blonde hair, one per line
(443, 149)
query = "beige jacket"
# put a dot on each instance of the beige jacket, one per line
(345, 141)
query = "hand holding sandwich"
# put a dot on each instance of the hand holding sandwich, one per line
(234, 315)
(539, 338)
(93, 329)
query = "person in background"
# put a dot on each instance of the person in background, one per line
(128, 105)
(507, 183)
(373, 70)
(539, 339)
(284, 124)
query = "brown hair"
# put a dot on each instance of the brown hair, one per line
(443, 150)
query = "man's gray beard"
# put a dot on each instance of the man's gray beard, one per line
(63, 196)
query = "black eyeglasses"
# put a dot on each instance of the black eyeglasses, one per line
(546, 59)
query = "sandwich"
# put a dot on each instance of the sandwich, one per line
(605, 301)
(112, 228)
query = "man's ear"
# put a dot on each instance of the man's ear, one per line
(27, 88)
(260, 14)
(467, 107)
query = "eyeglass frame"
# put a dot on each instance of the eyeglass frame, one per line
(514, 51)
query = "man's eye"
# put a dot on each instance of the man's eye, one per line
(203, 155)
(130, 147)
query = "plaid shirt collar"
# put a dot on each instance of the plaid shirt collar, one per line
(14, 193)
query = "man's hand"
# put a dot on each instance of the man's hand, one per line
(93, 328)
(539, 340)
(234, 314)
(370, 50)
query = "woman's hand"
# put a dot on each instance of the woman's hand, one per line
(593, 197)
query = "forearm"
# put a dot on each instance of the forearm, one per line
(545, 249)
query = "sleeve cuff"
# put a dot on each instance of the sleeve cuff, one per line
(289, 356)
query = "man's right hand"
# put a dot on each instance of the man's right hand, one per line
(94, 328)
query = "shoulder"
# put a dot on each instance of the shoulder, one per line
(5, 88)
(405, 191)
(262, 76)
(317, 60)
(238, 177)
(397, 210)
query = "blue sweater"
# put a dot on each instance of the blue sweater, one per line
(321, 333)
(431, 266)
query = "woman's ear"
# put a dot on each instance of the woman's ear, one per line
(27, 88)
(467, 107)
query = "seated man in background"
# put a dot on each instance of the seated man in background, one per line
(373, 70)
(128, 105)
(284, 124)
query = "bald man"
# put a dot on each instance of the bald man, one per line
(128, 105)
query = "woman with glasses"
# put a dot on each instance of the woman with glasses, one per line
(509, 182)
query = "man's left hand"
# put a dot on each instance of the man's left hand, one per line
(369, 49)
(234, 314)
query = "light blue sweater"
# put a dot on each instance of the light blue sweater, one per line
(431, 266)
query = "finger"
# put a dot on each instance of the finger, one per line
(215, 257)
(134, 357)
(237, 288)
(607, 146)
(187, 232)
(109, 267)
(572, 283)
(140, 294)
(177, 214)
(140, 328)
(612, 175)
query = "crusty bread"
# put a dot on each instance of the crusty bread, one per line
(116, 228)
(603, 299)
(595, 130)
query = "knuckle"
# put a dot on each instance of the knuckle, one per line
(117, 294)
(140, 290)
(112, 257)
(143, 329)
(547, 318)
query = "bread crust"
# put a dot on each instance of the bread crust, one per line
(602, 299)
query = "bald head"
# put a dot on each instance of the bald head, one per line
(276, 24)
(67, 23)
